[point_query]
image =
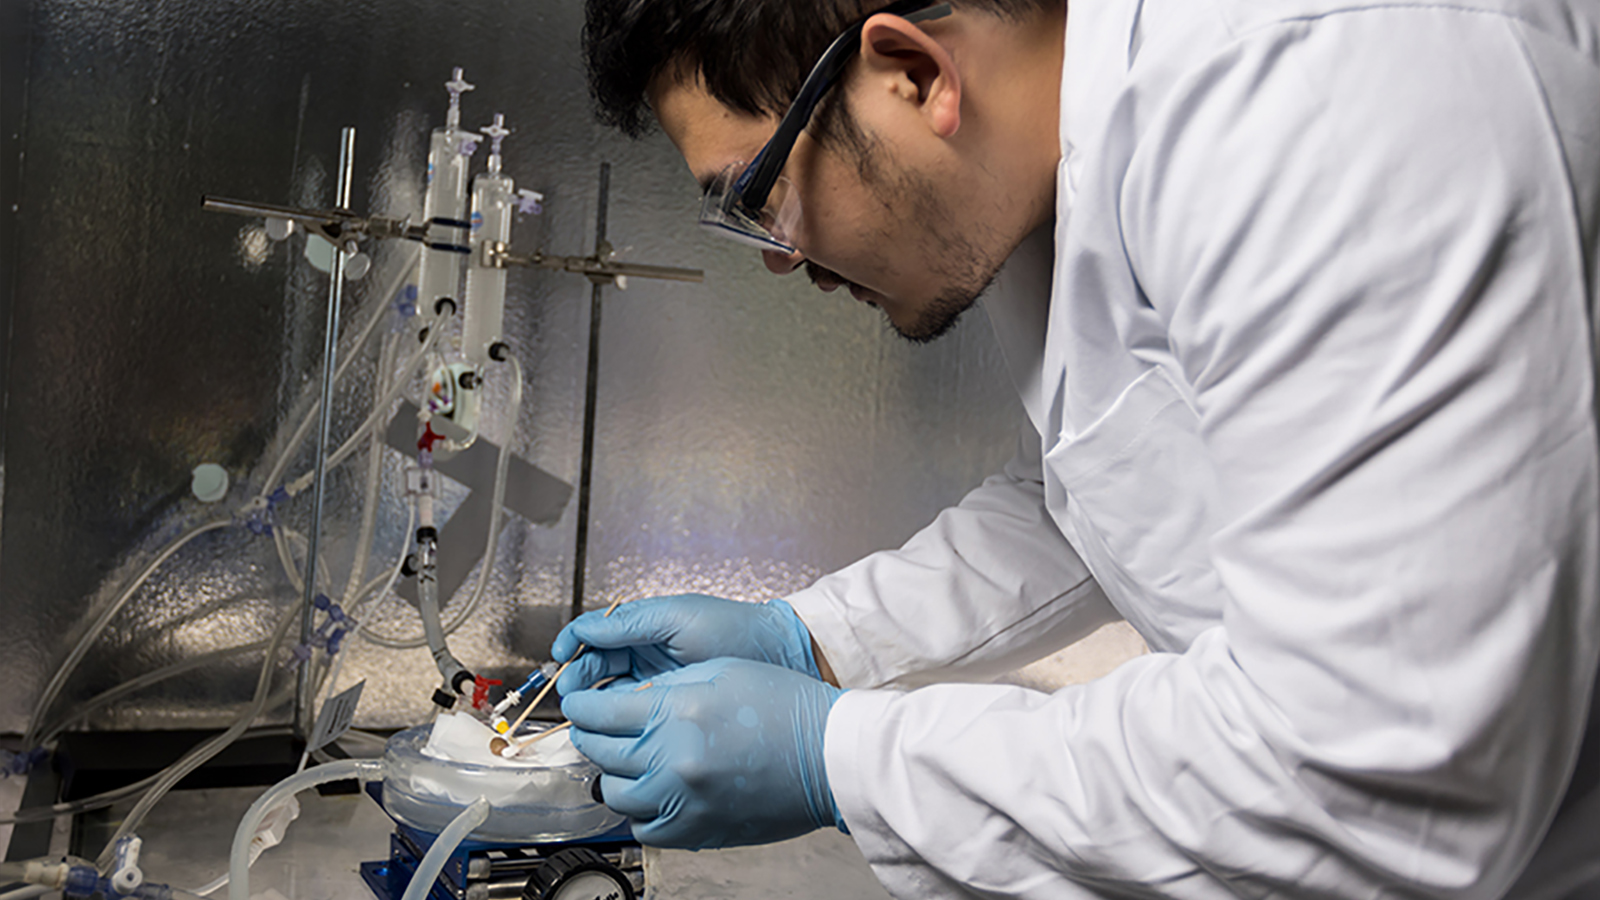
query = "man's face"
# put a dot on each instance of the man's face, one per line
(872, 219)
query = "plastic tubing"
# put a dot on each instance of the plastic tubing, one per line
(330, 678)
(281, 538)
(280, 541)
(369, 521)
(98, 801)
(27, 893)
(380, 413)
(450, 668)
(439, 853)
(497, 513)
(363, 770)
(304, 428)
(400, 562)
(106, 698)
(371, 637)
(70, 664)
(369, 508)
(372, 590)
(108, 798)
(203, 753)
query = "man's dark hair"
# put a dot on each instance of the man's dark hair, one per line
(751, 54)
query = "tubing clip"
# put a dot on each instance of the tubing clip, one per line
(480, 690)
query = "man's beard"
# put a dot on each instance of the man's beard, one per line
(934, 320)
(959, 263)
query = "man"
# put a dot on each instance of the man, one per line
(1311, 388)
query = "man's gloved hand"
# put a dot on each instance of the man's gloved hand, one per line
(644, 638)
(714, 754)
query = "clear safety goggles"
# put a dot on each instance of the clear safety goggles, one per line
(772, 226)
(754, 204)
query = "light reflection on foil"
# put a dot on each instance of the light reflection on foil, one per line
(751, 433)
(755, 580)
(254, 246)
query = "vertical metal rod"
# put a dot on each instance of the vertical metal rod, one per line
(330, 349)
(591, 383)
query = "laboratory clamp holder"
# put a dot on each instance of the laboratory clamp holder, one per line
(485, 807)
(538, 827)
(548, 837)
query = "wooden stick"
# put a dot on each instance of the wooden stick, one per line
(552, 682)
(521, 745)
(565, 725)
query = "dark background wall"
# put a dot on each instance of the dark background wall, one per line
(751, 432)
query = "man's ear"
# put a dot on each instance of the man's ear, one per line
(923, 70)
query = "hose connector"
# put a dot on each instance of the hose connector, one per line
(126, 876)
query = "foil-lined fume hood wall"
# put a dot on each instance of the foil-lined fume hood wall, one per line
(751, 433)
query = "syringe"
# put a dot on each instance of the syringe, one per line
(540, 677)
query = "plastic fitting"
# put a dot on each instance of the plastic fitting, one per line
(126, 876)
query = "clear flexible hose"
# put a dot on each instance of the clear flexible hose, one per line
(331, 677)
(450, 668)
(161, 782)
(288, 452)
(369, 507)
(106, 698)
(287, 540)
(111, 797)
(370, 592)
(203, 753)
(400, 562)
(363, 770)
(354, 592)
(497, 509)
(103, 618)
(379, 417)
(85, 804)
(438, 854)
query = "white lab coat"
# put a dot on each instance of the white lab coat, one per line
(1315, 385)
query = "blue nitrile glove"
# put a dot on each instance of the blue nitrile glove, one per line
(658, 634)
(714, 754)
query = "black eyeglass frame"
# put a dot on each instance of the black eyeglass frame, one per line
(753, 187)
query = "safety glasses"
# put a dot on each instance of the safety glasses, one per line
(753, 204)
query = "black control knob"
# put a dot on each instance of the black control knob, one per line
(577, 873)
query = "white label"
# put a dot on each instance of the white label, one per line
(336, 716)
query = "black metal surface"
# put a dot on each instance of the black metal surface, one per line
(591, 386)
(30, 840)
(92, 764)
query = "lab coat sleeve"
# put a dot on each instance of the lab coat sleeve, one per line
(990, 585)
(1361, 234)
